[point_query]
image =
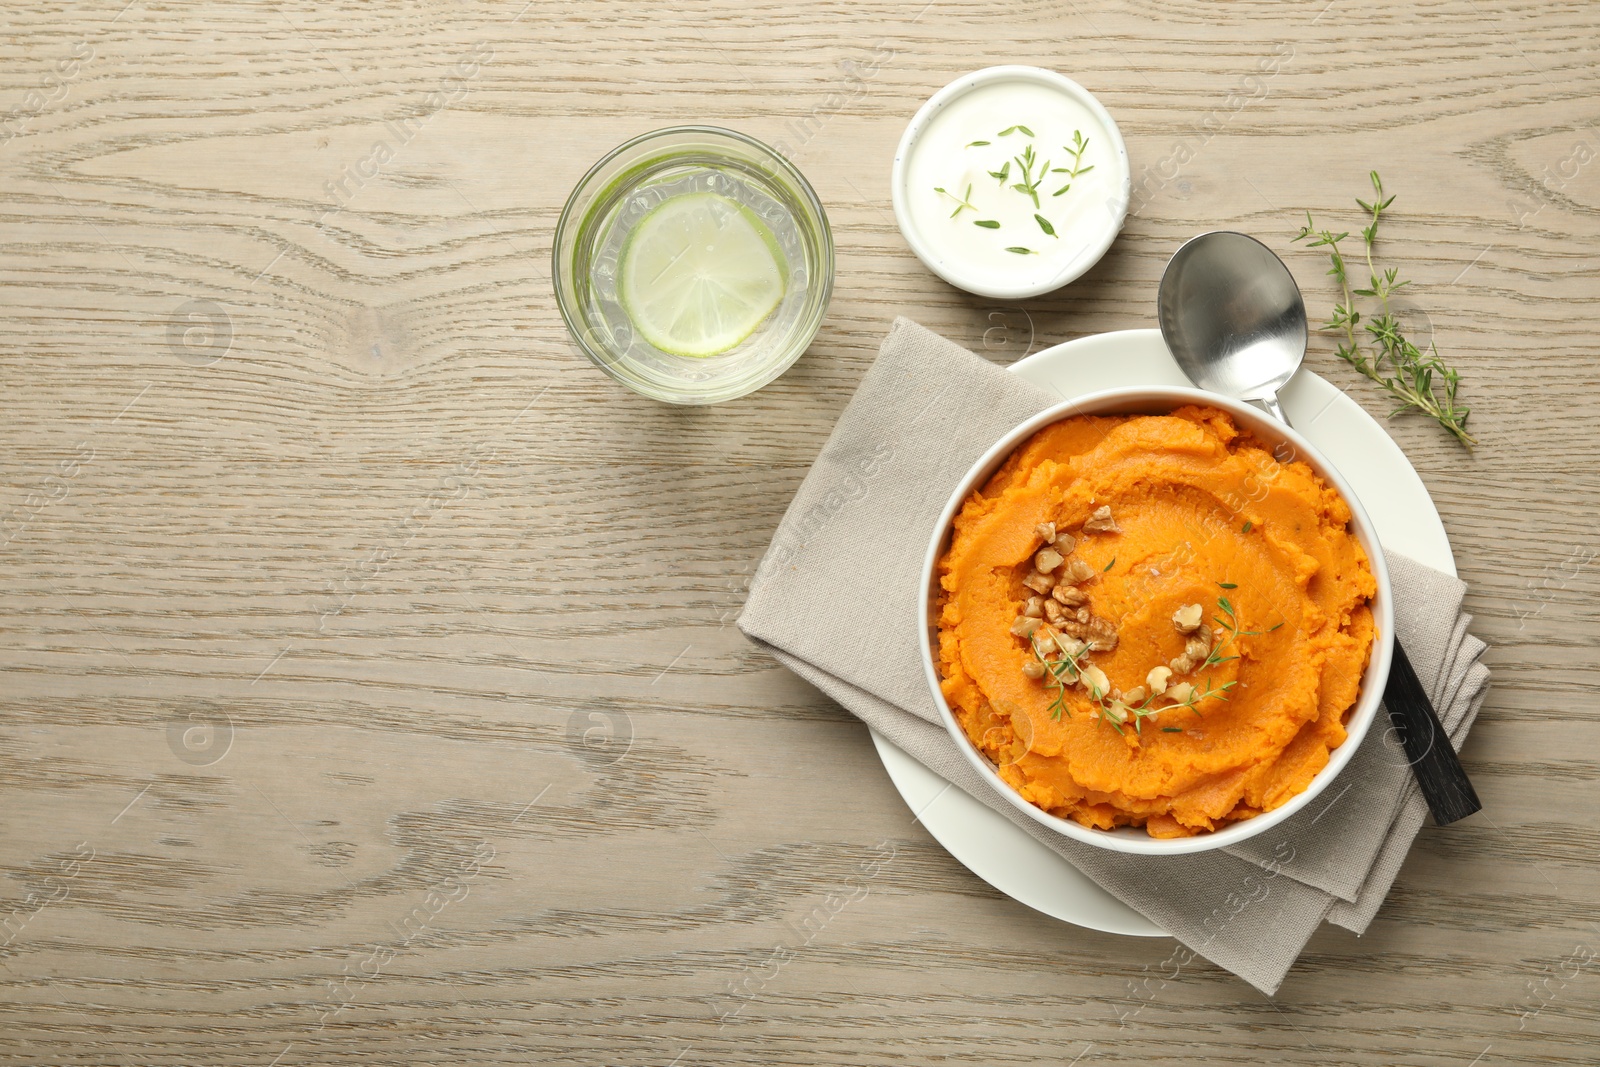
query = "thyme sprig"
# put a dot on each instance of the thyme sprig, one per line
(1190, 702)
(1390, 358)
(1063, 671)
(1029, 185)
(1080, 144)
(963, 203)
(1229, 621)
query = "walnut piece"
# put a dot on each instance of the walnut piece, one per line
(1077, 572)
(1180, 664)
(1071, 646)
(1135, 695)
(1157, 680)
(1198, 647)
(1102, 635)
(1039, 583)
(1187, 618)
(1025, 626)
(1069, 596)
(1052, 611)
(1033, 668)
(1065, 543)
(1095, 680)
(1046, 532)
(1047, 560)
(1183, 692)
(1034, 607)
(1101, 521)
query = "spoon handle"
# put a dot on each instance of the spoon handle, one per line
(1439, 773)
(1270, 402)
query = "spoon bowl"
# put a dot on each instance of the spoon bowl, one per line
(1233, 317)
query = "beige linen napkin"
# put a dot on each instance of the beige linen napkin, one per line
(835, 600)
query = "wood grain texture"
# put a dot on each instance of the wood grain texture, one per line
(372, 692)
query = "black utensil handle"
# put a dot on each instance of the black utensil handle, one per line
(1433, 760)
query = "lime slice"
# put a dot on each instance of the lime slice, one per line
(699, 273)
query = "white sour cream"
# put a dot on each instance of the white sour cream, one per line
(1029, 128)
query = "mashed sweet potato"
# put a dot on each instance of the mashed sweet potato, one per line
(1182, 510)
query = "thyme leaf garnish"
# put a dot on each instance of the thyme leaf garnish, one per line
(1390, 358)
(1063, 671)
(1229, 621)
(1029, 185)
(1080, 144)
(962, 202)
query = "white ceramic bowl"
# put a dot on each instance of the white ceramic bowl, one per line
(972, 278)
(1159, 401)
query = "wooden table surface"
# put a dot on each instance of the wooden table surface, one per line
(372, 692)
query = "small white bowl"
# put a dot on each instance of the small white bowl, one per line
(1160, 401)
(972, 277)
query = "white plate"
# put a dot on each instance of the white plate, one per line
(990, 845)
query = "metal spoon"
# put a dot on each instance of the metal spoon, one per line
(1232, 316)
